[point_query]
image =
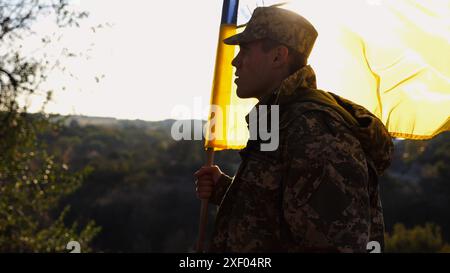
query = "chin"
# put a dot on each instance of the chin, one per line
(242, 94)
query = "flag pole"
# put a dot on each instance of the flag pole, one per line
(221, 85)
(204, 206)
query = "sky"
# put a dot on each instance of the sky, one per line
(151, 57)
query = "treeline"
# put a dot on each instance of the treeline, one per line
(140, 188)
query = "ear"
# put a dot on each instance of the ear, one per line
(280, 56)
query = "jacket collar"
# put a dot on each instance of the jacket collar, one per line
(301, 79)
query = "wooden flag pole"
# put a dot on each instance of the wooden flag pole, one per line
(222, 82)
(204, 206)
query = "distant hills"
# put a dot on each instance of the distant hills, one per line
(141, 188)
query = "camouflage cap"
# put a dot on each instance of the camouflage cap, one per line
(281, 25)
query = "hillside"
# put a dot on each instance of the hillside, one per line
(141, 188)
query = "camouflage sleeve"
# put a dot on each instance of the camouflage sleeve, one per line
(324, 198)
(220, 189)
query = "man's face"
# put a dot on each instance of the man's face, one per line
(253, 70)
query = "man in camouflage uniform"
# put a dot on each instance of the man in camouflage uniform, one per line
(318, 192)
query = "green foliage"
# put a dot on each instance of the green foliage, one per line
(141, 189)
(32, 185)
(32, 182)
(427, 238)
(416, 188)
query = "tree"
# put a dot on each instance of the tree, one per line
(426, 238)
(31, 182)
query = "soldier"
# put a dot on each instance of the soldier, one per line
(318, 192)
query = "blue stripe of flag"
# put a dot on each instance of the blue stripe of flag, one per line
(229, 12)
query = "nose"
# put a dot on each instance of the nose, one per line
(236, 61)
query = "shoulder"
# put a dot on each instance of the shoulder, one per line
(319, 132)
(311, 119)
(317, 107)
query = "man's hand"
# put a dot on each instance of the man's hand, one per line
(207, 178)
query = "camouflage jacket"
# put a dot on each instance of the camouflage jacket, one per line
(318, 192)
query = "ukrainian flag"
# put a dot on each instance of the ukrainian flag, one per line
(391, 56)
(226, 127)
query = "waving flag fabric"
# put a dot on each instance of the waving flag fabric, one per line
(391, 56)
